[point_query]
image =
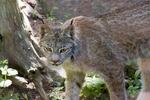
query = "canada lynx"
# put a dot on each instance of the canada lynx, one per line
(82, 45)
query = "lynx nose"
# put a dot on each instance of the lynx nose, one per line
(55, 59)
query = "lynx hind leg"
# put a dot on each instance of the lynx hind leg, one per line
(115, 84)
(144, 64)
(74, 83)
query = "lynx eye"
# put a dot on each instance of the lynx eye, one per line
(49, 49)
(63, 50)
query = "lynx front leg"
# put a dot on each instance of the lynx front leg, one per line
(39, 86)
(145, 73)
(74, 83)
(115, 84)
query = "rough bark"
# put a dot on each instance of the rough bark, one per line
(17, 47)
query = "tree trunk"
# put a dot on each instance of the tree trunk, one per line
(17, 47)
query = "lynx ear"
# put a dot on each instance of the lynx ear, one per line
(68, 28)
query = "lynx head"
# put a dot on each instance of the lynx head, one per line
(57, 44)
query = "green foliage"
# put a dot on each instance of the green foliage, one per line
(3, 63)
(5, 72)
(34, 14)
(10, 95)
(25, 96)
(5, 81)
(94, 87)
(133, 80)
(55, 94)
(134, 84)
(51, 16)
(67, 15)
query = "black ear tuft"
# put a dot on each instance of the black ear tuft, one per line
(1, 37)
(71, 22)
(71, 29)
(68, 28)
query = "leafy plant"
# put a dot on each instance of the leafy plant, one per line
(10, 95)
(55, 94)
(133, 78)
(134, 84)
(5, 72)
(5, 81)
(94, 87)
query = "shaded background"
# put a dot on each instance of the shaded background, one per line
(64, 9)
